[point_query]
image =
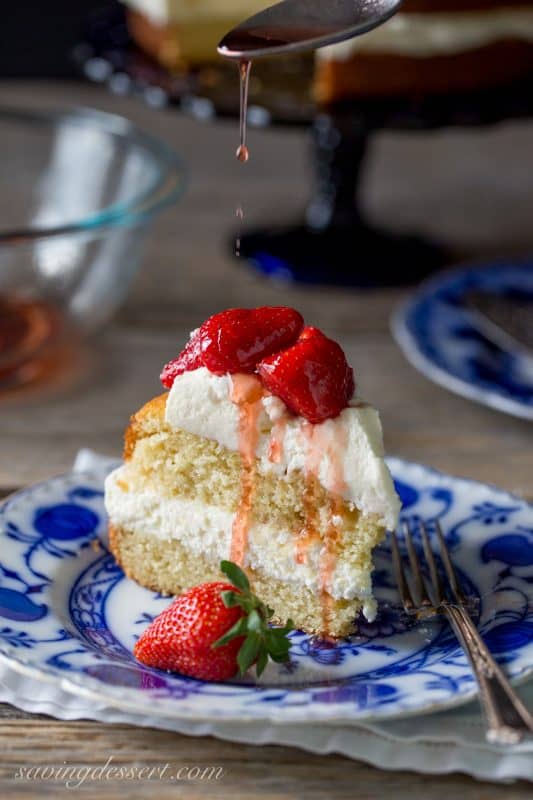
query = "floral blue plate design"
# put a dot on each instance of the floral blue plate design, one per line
(440, 337)
(69, 616)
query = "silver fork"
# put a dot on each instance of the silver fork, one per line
(508, 720)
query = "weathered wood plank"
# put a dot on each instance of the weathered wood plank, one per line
(248, 771)
(478, 198)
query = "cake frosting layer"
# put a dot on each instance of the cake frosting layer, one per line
(438, 33)
(345, 454)
(207, 530)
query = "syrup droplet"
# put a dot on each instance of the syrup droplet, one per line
(239, 213)
(244, 73)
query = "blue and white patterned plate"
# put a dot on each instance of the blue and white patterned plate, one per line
(69, 616)
(439, 336)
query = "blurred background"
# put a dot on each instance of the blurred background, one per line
(118, 232)
(43, 50)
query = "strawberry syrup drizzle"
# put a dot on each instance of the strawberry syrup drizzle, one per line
(309, 534)
(275, 446)
(330, 442)
(327, 563)
(246, 394)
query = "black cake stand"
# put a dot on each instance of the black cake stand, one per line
(333, 244)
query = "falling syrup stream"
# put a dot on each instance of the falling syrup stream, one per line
(244, 73)
(239, 213)
(242, 153)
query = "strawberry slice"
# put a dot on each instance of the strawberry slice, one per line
(189, 359)
(213, 631)
(236, 340)
(312, 377)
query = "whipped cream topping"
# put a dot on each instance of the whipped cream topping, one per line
(164, 11)
(345, 453)
(433, 34)
(208, 531)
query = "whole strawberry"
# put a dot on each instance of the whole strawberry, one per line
(312, 376)
(213, 631)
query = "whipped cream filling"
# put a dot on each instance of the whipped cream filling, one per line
(345, 453)
(207, 530)
(164, 11)
(433, 34)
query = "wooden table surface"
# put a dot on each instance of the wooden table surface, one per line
(473, 188)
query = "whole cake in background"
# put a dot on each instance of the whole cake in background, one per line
(185, 33)
(432, 47)
(429, 47)
(260, 453)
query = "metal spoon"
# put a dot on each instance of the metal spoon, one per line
(294, 25)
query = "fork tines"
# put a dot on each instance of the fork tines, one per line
(424, 594)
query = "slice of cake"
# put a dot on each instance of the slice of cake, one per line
(259, 454)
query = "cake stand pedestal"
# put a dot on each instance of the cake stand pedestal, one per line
(333, 244)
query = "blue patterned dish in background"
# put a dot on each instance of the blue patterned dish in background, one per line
(69, 616)
(439, 336)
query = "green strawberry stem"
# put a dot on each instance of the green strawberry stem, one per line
(261, 640)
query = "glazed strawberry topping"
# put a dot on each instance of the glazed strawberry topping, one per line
(312, 377)
(237, 339)
(189, 359)
(308, 371)
(214, 630)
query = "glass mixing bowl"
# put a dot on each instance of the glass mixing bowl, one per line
(78, 190)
